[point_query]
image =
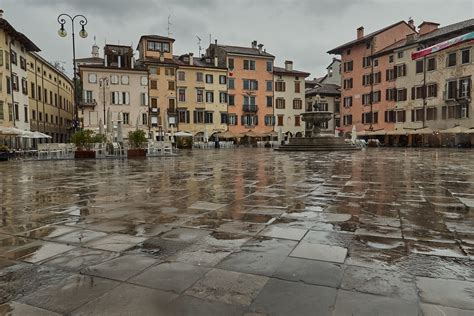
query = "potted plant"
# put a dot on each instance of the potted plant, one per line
(4, 153)
(136, 139)
(84, 141)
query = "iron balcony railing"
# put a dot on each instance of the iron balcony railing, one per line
(249, 108)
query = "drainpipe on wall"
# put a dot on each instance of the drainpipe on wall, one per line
(11, 82)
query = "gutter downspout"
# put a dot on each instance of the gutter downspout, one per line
(11, 82)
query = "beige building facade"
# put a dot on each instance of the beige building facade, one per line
(289, 99)
(445, 103)
(326, 97)
(118, 86)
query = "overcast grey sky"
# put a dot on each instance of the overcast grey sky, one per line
(298, 30)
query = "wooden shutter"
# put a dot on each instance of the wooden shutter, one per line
(413, 93)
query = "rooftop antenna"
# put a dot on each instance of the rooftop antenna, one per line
(199, 44)
(169, 25)
(210, 39)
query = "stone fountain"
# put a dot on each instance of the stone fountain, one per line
(314, 140)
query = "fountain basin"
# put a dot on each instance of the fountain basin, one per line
(314, 140)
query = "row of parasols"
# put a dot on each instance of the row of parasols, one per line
(420, 131)
(13, 131)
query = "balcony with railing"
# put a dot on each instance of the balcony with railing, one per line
(87, 103)
(249, 108)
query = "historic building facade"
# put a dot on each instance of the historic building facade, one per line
(289, 99)
(118, 85)
(14, 100)
(201, 95)
(156, 54)
(51, 99)
(250, 104)
(362, 81)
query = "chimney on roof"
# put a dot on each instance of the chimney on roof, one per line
(1, 13)
(216, 61)
(191, 59)
(260, 48)
(427, 27)
(411, 23)
(288, 65)
(105, 60)
(254, 44)
(360, 32)
(411, 38)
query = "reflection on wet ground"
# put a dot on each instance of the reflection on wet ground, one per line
(240, 231)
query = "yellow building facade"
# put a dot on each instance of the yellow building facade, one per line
(201, 95)
(51, 99)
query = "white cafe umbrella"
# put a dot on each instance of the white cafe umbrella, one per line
(206, 136)
(119, 128)
(10, 131)
(27, 134)
(101, 127)
(353, 134)
(183, 134)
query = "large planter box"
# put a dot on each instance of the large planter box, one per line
(84, 154)
(4, 156)
(136, 153)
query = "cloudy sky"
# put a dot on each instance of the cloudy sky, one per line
(298, 30)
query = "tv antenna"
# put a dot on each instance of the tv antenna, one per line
(169, 25)
(199, 45)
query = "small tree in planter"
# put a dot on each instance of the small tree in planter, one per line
(84, 141)
(136, 139)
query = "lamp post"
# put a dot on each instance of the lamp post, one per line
(62, 33)
(104, 83)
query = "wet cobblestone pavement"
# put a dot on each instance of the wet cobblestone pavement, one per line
(240, 232)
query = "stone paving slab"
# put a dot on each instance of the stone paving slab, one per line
(18, 309)
(310, 272)
(175, 276)
(80, 258)
(290, 298)
(252, 262)
(270, 245)
(80, 236)
(359, 304)
(380, 282)
(283, 232)
(128, 299)
(436, 310)
(452, 293)
(37, 251)
(121, 268)
(319, 252)
(228, 287)
(69, 293)
(188, 305)
(115, 242)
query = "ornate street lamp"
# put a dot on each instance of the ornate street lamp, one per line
(62, 33)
